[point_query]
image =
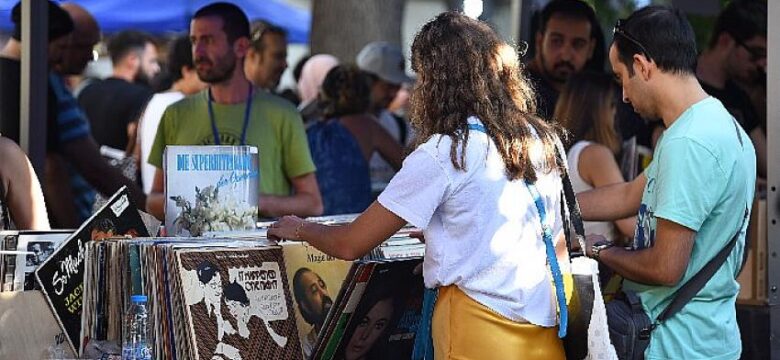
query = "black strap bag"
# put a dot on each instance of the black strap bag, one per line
(630, 327)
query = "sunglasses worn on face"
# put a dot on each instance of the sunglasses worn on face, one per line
(619, 30)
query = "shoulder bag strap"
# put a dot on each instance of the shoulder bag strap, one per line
(686, 292)
(571, 210)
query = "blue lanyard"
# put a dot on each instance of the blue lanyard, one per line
(547, 236)
(247, 111)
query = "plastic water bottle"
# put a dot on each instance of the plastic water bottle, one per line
(135, 345)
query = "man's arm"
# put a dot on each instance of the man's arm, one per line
(612, 202)
(662, 264)
(155, 202)
(23, 191)
(306, 201)
(83, 153)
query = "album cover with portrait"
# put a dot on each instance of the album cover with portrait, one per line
(237, 303)
(315, 280)
(385, 315)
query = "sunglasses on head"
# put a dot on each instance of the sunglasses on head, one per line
(620, 30)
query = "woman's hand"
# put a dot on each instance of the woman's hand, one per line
(287, 228)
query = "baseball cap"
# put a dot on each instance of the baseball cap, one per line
(384, 60)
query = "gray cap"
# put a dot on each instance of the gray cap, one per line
(384, 60)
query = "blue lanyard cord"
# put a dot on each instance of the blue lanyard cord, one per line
(423, 342)
(552, 259)
(247, 112)
(548, 243)
(477, 127)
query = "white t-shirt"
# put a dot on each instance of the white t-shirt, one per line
(605, 228)
(483, 232)
(148, 130)
(381, 171)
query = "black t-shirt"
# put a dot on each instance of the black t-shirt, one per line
(110, 105)
(10, 80)
(546, 95)
(736, 102)
(9, 98)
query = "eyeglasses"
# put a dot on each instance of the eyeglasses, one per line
(756, 53)
(619, 30)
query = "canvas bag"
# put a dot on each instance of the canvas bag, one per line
(587, 330)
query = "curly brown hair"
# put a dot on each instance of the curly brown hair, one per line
(345, 91)
(464, 69)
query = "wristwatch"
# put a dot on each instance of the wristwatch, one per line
(596, 248)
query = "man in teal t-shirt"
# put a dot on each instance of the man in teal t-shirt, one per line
(691, 200)
(231, 112)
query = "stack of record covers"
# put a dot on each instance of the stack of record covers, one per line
(208, 298)
(21, 252)
(376, 313)
(62, 275)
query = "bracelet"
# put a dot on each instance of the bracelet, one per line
(298, 230)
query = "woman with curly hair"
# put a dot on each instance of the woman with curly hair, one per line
(344, 140)
(483, 185)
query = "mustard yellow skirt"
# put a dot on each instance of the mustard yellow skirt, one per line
(465, 329)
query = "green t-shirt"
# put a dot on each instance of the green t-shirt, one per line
(275, 128)
(702, 177)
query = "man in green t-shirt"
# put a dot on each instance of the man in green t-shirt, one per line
(689, 202)
(231, 112)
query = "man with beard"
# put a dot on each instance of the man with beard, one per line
(266, 59)
(115, 104)
(314, 302)
(690, 202)
(565, 43)
(384, 63)
(232, 112)
(737, 54)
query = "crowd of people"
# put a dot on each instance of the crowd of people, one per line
(480, 177)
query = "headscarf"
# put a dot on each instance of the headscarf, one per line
(313, 74)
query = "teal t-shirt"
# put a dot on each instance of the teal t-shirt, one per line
(703, 177)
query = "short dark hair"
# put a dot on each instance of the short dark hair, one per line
(299, 292)
(577, 9)
(666, 35)
(126, 42)
(261, 28)
(179, 56)
(574, 9)
(234, 22)
(104, 225)
(206, 271)
(236, 292)
(741, 19)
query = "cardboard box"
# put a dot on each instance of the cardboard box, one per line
(29, 328)
(753, 279)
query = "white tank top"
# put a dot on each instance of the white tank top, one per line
(605, 228)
